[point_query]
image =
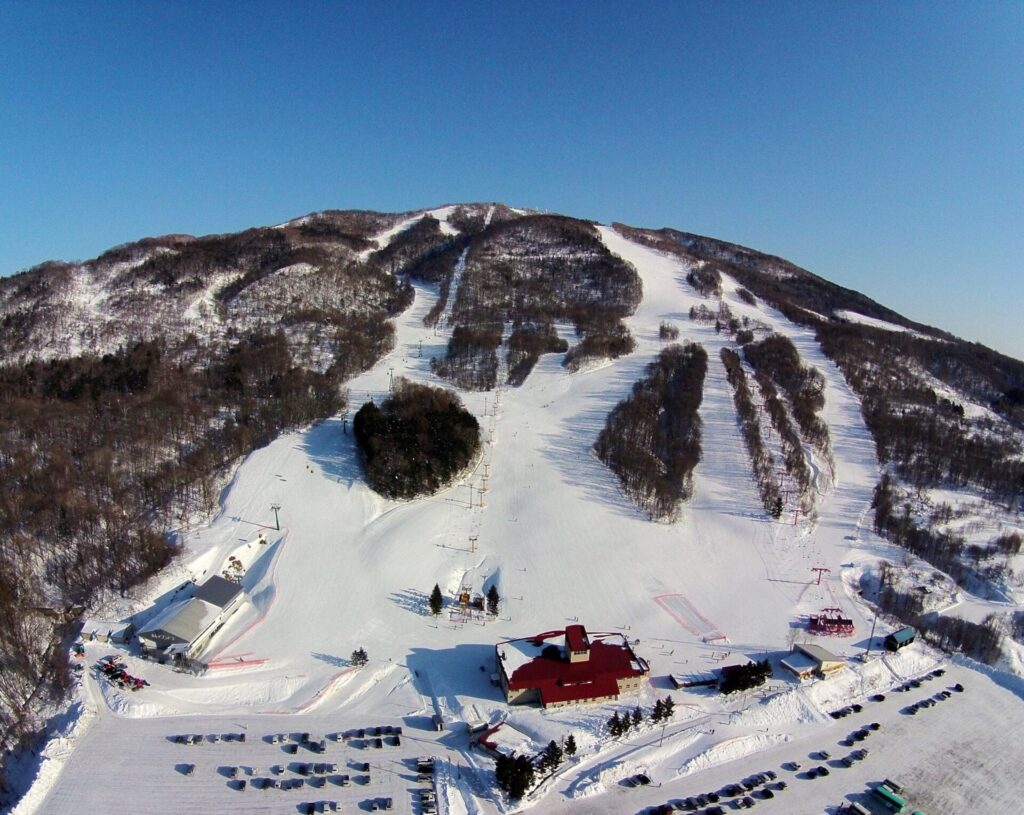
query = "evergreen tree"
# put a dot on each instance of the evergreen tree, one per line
(615, 724)
(659, 711)
(638, 716)
(359, 657)
(570, 745)
(552, 756)
(521, 777)
(668, 706)
(503, 770)
(436, 600)
(493, 598)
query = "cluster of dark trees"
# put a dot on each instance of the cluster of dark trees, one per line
(359, 658)
(793, 459)
(925, 438)
(473, 218)
(599, 342)
(662, 711)
(651, 440)
(744, 677)
(943, 550)
(776, 363)
(618, 725)
(410, 245)
(722, 318)
(1017, 626)
(775, 357)
(551, 757)
(303, 277)
(471, 360)
(706, 279)
(668, 331)
(761, 460)
(906, 606)
(981, 641)
(534, 270)
(514, 774)
(416, 441)
(526, 343)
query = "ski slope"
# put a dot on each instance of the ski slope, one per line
(542, 519)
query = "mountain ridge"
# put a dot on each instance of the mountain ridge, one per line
(135, 382)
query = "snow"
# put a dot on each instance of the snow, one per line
(441, 214)
(542, 519)
(884, 325)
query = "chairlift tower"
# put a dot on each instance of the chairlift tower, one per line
(820, 570)
(277, 522)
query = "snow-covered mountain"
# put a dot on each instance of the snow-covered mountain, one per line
(824, 431)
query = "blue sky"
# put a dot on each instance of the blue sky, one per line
(879, 145)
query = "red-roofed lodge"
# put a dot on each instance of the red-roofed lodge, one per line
(567, 667)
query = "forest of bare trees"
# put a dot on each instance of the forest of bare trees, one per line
(526, 344)
(100, 456)
(912, 386)
(761, 459)
(777, 364)
(652, 439)
(982, 641)
(105, 449)
(533, 270)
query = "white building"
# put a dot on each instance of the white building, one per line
(187, 626)
(809, 660)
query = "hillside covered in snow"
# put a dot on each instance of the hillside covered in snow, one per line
(685, 442)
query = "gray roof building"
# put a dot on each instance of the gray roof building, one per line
(217, 591)
(193, 622)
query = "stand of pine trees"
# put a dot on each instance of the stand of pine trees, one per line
(515, 775)
(416, 441)
(620, 725)
(744, 677)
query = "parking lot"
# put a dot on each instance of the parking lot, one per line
(824, 767)
(259, 764)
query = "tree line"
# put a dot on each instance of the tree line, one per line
(761, 460)
(105, 450)
(533, 270)
(652, 439)
(100, 456)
